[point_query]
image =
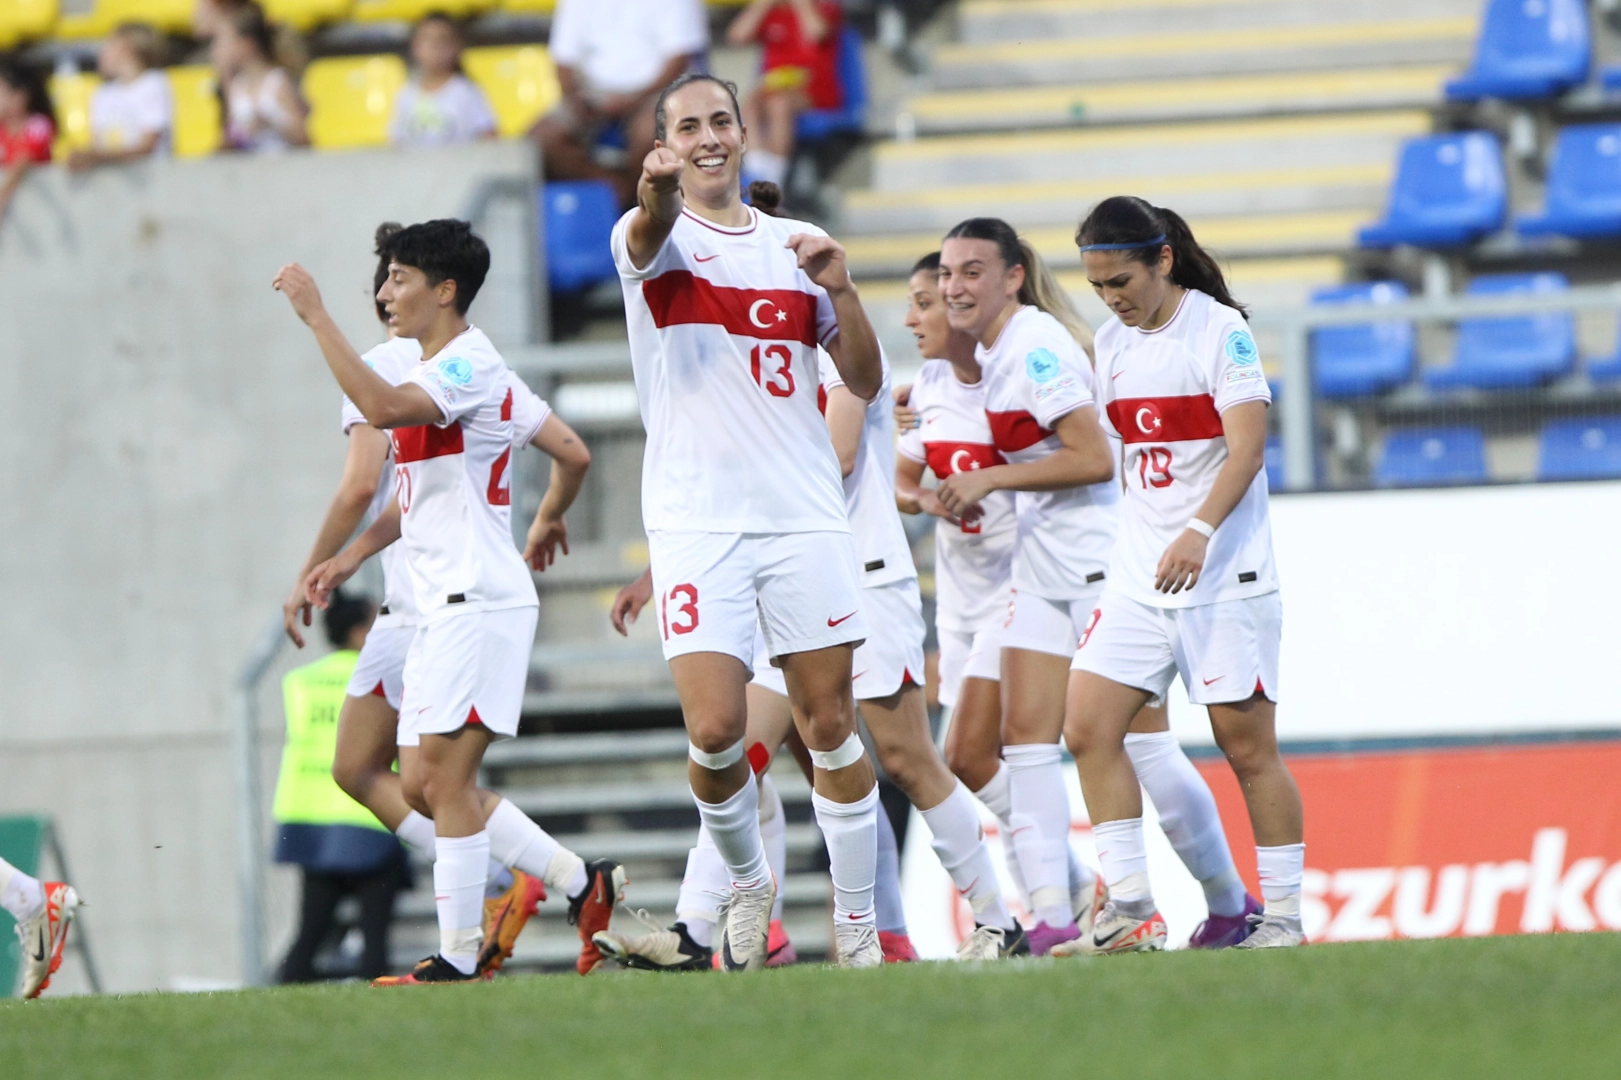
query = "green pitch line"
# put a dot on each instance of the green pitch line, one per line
(1500, 1007)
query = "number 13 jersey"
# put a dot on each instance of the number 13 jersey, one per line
(1163, 391)
(723, 334)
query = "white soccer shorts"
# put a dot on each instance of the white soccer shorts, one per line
(968, 654)
(1049, 626)
(1225, 652)
(715, 591)
(467, 668)
(381, 667)
(892, 655)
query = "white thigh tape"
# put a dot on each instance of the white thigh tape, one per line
(845, 756)
(724, 759)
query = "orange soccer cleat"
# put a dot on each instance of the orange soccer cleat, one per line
(434, 970)
(505, 917)
(593, 909)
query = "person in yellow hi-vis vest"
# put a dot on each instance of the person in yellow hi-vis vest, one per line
(341, 846)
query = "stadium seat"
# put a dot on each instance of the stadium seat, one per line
(1584, 185)
(351, 99)
(1353, 361)
(519, 80)
(1527, 49)
(1605, 368)
(306, 15)
(197, 131)
(71, 96)
(815, 125)
(529, 7)
(25, 20)
(1580, 449)
(1414, 457)
(1449, 191)
(579, 217)
(170, 16)
(1274, 463)
(1513, 351)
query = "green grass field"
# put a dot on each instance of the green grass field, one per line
(1498, 1007)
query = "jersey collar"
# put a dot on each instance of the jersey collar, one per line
(1180, 304)
(741, 230)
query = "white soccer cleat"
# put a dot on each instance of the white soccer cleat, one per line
(1087, 902)
(993, 943)
(660, 949)
(1115, 931)
(44, 935)
(746, 928)
(855, 945)
(1273, 932)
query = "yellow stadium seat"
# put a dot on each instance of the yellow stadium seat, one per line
(351, 99)
(520, 82)
(304, 15)
(24, 20)
(412, 10)
(529, 7)
(197, 131)
(71, 96)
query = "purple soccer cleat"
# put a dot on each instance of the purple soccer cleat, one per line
(1043, 937)
(1225, 931)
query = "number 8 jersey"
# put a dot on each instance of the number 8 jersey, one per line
(723, 334)
(1163, 393)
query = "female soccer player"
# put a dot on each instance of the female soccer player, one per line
(1192, 589)
(741, 494)
(44, 910)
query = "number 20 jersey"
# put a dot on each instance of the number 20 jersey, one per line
(1163, 391)
(723, 334)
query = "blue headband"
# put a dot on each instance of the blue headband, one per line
(1160, 239)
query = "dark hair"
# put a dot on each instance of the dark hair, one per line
(343, 614)
(929, 264)
(385, 233)
(18, 75)
(444, 250)
(765, 197)
(1126, 219)
(249, 21)
(1040, 288)
(147, 44)
(447, 20)
(684, 81)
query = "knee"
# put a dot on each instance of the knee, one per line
(1086, 739)
(967, 767)
(352, 778)
(828, 722)
(412, 789)
(1248, 757)
(714, 734)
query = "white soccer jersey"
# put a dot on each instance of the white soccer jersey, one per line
(454, 482)
(973, 562)
(1163, 392)
(1036, 374)
(869, 490)
(723, 334)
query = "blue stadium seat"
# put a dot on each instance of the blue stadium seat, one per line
(1352, 361)
(1527, 49)
(1449, 190)
(580, 216)
(1584, 185)
(1514, 351)
(1416, 457)
(1610, 78)
(1274, 463)
(814, 125)
(1580, 449)
(1605, 368)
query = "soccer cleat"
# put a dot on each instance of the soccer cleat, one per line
(1045, 939)
(1088, 902)
(505, 917)
(993, 943)
(1225, 931)
(435, 969)
(660, 949)
(1273, 932)
(44, 935)
(779, 951)
(1115, 931)
(897, 948)
(855, 945)
(593, 909)
(746, 928)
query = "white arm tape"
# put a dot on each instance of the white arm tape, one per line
(1202, 527)
(717, 761)
(845, 756)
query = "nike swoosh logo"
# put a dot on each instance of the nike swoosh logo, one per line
(704, 258)
(853, 678)
(1099, 942)
(1116, 375)
(835, 622)
(1218, 678)
(39, 953)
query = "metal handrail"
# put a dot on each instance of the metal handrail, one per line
(250, 873)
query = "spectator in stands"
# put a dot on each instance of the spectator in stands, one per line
(613, 57)
(27, 125)
(342, 848)
(264, 111)
(798, 70)
(440, 105)
(132, 111)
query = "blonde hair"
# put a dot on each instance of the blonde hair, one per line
(146, 43)
(1041, 289)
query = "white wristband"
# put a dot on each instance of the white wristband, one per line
(1202, 527)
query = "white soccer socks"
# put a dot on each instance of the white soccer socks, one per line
(1281, 870)
(20, 894)
(515, 840)
(960, 845)
(1124, 859)
(1188, 815)
(459, 874)
(774, 836)
(704, 888)
(1039, 827)
(417, 833)
(886, 887)
(851, 832)
(734, 826)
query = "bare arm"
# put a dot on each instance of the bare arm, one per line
(855, 350)
(326, 577)
(296, 129)
(1244, 425)
(846, 415)
(1084, 458)
(810, 19)
(570, 461)
(362, 466)
(142, 147)
(658, 206)
(911, 497)
(747, 23)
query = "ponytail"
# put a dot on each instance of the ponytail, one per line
(1040, 288)
(1141, 231)
(765, 197)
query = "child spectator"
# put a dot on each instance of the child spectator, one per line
(799, 70)
(263, 109)
(440, 105)
(132, 112)
(27, 126)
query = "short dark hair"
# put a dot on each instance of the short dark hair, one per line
(660, 129)
(30, 80)
(343, 614)
(445, 250)
(929, 264)
(385, 233)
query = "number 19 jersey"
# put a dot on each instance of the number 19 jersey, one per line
(723, 334)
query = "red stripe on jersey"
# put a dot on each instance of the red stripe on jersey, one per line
(426, 441)
(1166, 419)
(1015, 431)
(946, 458)
(821, 400)
(680, 297)
(506, 406)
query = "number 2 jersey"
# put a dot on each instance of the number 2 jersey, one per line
(723, 334)
(1163, 392)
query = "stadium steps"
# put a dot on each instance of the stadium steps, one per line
(995, 21)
